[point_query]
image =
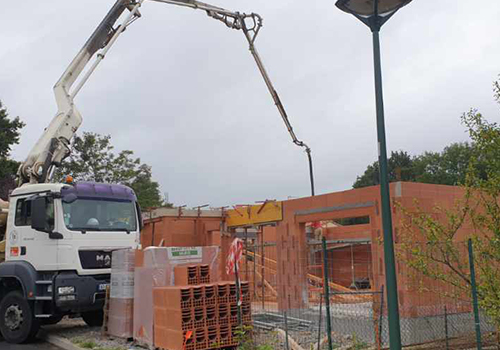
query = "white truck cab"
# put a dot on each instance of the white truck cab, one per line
(59, 241)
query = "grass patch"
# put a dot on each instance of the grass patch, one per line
(92, 345)
(88, 344)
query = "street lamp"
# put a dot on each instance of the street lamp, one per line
(374, 13)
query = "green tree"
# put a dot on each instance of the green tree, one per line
(93, 159)
(150, 190)
(440, 256)
(10, 131)
(400, 168)
(448, 167)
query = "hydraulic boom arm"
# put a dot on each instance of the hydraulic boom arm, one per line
(53, 145)
(238, 21)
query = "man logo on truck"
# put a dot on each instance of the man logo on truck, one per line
(103, 259)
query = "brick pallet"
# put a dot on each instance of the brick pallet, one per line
(192, 275)
(154, 267)
(207, 312)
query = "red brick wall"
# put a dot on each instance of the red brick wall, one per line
(180, 232)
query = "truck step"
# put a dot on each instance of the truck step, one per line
(43, 298)
(43, 282)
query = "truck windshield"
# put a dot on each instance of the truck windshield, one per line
(100, 215)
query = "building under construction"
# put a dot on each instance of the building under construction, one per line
(282, 241)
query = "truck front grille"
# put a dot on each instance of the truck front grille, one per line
(95, 259)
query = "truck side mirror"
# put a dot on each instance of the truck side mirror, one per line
(69, 198)
(139, 216)
(39, 214)
(40, 221)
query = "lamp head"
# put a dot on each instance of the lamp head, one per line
(372, 11)
(367, 7)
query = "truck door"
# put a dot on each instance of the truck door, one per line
(28, 244)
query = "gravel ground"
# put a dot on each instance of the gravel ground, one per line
(490, 342)
(268, 338)
(88, 337)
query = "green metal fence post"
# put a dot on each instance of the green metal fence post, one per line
(320, 318)
(381, 318)
(287, 345)
(446, 328)
(474, 296)
(254, 252)
(262, 271)
(327, 296)
(246, 254)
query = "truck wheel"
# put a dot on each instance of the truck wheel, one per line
(17, 323)
(93, 318)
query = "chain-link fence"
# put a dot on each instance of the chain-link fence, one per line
(436, 303)
(432, 314)
(445, 326)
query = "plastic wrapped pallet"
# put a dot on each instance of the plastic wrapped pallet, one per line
(154, 267)
(121, 301)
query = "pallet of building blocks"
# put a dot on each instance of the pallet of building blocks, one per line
(186, 275)
(192, 274)
(121, 301)
(174, 340)
(198, 339)
(154, 268)
(199, 317)
(173, 297)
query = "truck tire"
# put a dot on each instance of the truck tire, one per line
(17, 322)
(93, 318)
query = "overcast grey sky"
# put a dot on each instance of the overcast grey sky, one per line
(182, 91)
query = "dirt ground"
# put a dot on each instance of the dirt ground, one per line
(89, 338)
(489, 342)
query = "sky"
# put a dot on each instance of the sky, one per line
(182, 91)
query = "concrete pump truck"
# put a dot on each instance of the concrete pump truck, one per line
(59, 236)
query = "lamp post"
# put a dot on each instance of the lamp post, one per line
(374, 13)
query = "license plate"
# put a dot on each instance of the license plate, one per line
(103, 286)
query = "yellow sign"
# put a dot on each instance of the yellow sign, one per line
(270, 211)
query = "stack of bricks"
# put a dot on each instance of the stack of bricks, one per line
(198, 315)
(192, 275)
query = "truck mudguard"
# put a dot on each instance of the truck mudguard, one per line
(23, 272)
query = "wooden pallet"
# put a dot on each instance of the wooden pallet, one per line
(2, 250)
(104, 329)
